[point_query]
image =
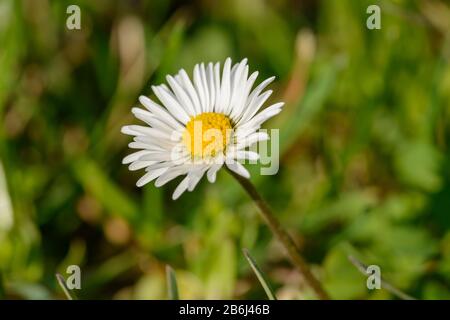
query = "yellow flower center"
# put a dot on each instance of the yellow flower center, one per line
(207, 134)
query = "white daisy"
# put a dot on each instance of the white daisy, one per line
(201, 126)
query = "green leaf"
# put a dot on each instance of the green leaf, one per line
(419, 165)
(109, 271)
(95, 180)
(339, 278)
(221, 270)
(260, 275)
(28, 290)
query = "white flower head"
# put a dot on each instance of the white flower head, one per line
(201, 126)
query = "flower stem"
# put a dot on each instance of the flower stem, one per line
(282, 236)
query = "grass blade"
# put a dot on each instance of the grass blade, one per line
(62, 284)
(262, 279)
(172, 283)
(384, 284)
(309, 106)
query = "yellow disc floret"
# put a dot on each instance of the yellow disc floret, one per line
(207, 134)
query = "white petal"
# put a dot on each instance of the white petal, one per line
(148, 103)
(181, 95)
(159, 111)
(170, 175)
(160, 156)
(157, 165)
(134, 156)
(139, 165)
(264, 115)
(236, 85)
(245, 154)
(137, 145)
(155, 145)
(238, 168)
(129, 131)
(171, 104)
(254, 106)
(211, 87)
(242, 95)
(195, 178)
(181, 188)
(188, 86)
(149, 131)
(152, 120)
(205, 87)
(251, 139)
(261, 87)
(216, 86)
(225, 87)
(149, 176)
(198, 83)
(143, 115)
(254, 95)
(212, 172)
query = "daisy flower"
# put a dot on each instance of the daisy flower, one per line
(203, 125)
(200, 126)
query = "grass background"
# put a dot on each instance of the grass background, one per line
(364, 167)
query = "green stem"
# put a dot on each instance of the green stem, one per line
(282, 236)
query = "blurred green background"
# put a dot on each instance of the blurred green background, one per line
(364, 168)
